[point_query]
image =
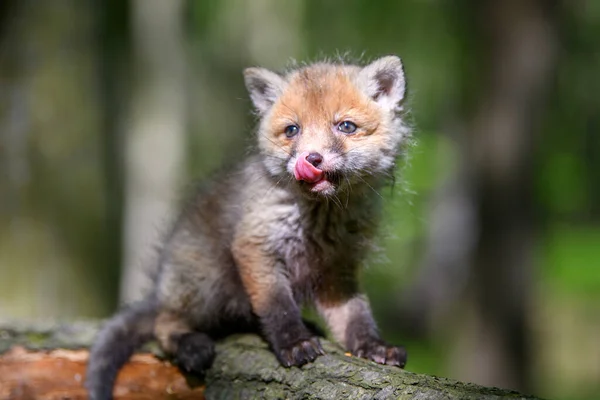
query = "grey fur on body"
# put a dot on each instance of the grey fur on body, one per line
(257, 243)
(300, 233)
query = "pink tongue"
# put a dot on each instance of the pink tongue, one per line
(305, 171)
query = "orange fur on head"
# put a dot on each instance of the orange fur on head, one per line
(315, 100)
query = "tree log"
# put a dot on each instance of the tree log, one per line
(47, 361)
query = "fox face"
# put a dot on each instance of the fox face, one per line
(327, 127)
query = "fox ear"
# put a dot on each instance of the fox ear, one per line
(383, 80)
(264, 87)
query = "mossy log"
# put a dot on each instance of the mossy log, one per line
(47, 361)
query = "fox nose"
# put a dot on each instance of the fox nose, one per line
(315, 159)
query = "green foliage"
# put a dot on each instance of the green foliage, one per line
(572, 260)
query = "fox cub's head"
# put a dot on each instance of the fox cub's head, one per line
(327, 127)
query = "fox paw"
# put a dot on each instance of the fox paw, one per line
(300, 353)
(195, 352)
(381, 353)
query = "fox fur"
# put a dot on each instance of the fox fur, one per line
(290, 225)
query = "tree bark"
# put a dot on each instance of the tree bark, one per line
(47, 361)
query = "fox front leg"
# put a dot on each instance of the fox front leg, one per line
(351, 322)
(272, 301)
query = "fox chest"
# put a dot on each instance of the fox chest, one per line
(325, 243)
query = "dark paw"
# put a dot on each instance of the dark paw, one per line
(381, 353)
(195, 352)
(301, 353)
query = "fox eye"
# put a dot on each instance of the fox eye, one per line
(347, 127)
(291, 130)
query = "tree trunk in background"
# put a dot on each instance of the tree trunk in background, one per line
(444, 269)
(519, 37)
(483, 230)
(156, 135)
(113, 41)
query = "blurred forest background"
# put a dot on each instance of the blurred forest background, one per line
(490, 269)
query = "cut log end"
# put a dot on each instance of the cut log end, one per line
(59, 374)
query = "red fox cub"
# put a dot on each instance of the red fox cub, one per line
(290, 225)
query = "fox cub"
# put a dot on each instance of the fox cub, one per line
(290, 225)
